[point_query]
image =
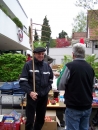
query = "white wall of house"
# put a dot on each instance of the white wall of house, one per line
(16, 8)
(9, 29)
(58, 53)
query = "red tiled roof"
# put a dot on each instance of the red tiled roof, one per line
(78, 35)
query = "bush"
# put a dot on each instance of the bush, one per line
(11, 66)
(17, 22)
(93, 61)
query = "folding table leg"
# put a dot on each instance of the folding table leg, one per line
(1, 104)
(12, 100)
(22, 99)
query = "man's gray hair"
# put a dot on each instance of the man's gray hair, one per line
(79, 50)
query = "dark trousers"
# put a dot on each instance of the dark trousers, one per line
(39, 107)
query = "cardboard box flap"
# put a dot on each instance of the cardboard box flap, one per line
(58, 121)
(50, 113)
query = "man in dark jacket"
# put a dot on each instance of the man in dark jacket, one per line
(36, 101)
(77, 81)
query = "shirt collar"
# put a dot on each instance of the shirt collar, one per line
(79, 59)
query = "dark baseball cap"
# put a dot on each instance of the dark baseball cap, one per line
(39, 49)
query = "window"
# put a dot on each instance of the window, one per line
(24, 29)
(96, 44)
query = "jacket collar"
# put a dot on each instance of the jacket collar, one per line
(79, 59)
(38, 62)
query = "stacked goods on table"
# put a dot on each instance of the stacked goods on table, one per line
(53, 100)
(55, 97)
(11, 121)
(95, 98)
(52, 103)
(11, 88)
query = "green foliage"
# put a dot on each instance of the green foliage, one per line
(62, 34)
(39, 44)
(4, 10)
(18, 22)
(93, 19)
(93, 23)
(80, 23)
(52, 42)
(36, 36)
(11, 66)
(15, 20)
(91, 59)
(67, 58)
(45, 31)
(86, 4)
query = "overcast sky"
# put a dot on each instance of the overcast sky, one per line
(60, 13)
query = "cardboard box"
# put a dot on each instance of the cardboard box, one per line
(48, 125)
(52, 125)
(22, 126)
(50, 113)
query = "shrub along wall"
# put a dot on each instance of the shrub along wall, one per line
(11, 66)
(15, 19)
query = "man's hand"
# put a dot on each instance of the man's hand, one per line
(33, 95)
(57, 74)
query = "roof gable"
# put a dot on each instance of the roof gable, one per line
(78, 35)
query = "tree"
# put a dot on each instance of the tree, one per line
(80, 23)
(62, 42)
(87, 4)
(62, 34)
(52, 42)
(45, 31)
(36, 36)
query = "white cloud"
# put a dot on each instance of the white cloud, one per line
(60, 13)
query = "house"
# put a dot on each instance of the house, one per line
(92, 28)
(78, 35)
(13, 26)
